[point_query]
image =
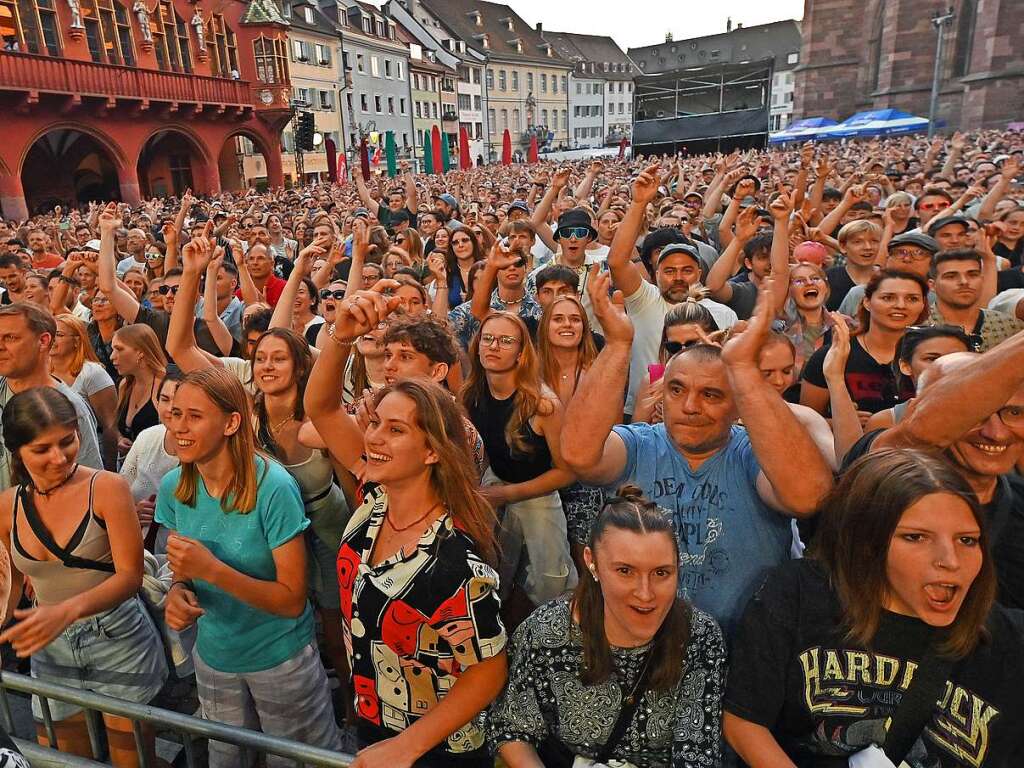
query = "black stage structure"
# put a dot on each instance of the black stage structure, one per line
(696, 110)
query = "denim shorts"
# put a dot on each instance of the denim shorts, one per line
(118, 653)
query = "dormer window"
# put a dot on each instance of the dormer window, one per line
(477, 18)
(307, 14)
(366, 24)
(485, 41)
(509, 23)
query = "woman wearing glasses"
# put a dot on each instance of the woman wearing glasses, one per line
(463, 251)
(807, 321)
(893, 301)
(520, 419)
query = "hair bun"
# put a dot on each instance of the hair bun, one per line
(632, 493)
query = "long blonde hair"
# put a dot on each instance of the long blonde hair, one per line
(225, 391)
(83, 347)
(529, 400)
(586, 351)
(142, 338)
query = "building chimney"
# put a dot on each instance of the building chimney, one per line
(540, 28)
(668, 37)
(728, 24)
(739, 25)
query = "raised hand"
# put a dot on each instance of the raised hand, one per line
(645, 186)
(610, 311)
(109, 219)
(561, 178)
(834, 366)
(743, 349)
(362, 312)
(782, 206)
(747, 224)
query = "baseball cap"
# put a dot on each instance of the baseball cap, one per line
(940, 221)
(519, 205)
(449, 199)
(660, 238)
(92, 245)
(361, 212)
(688, 249)
(915, 238)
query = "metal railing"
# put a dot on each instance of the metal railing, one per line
(187, 728)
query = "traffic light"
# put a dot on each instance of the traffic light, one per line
(304, 132)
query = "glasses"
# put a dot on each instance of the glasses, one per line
(675, 347)
(327, 293)
(910, 254)
(801, 281)
(574, 233)
(505, 342)
(154, 257)
(461, 241)
(168, 289)
(1012, 416)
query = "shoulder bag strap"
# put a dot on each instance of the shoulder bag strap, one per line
(626, 714)
(917, 706)
(46, 538)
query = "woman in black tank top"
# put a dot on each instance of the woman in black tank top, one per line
(520, 421)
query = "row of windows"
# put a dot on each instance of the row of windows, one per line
(311, 53)
(516, 125)
(33, 26)
(392, 69)
(469, 75)
(587, 111)
(468, 102)
(425, 109)
(587, 133)
(503, 81)
(315, 98)
(379, 104)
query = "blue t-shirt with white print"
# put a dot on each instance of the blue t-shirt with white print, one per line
(728, 537)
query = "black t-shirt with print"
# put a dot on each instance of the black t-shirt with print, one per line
(839, 284)
(1005, 516)
(872, 384)
(824, 698)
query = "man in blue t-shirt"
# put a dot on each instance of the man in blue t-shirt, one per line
(730, 489)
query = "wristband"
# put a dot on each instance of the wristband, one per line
(340, 342)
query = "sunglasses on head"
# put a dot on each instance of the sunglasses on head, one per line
(327, 293)
(574, 233)
(168, 289)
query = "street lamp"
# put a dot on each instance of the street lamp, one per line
(940, 23)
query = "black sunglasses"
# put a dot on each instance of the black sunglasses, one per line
(675, 347)
(327, 293)
(165, 289)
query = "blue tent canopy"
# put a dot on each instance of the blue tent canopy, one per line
(879, 122)
(802, 130)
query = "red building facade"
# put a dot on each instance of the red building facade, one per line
(126, 99)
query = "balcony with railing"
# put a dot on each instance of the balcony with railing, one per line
(37, 75)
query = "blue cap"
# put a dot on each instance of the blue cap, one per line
(449, 199)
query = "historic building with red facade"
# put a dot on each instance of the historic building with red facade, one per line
(129, 99)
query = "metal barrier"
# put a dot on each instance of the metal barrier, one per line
(186, 727)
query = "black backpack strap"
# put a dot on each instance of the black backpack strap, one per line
(627, 712)
(917, 706)
(46, 538)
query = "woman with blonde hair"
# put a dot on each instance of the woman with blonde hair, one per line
(239, 562)
(74, 361)
(418, 548)
(141, 362)
(520, 421)
(565, 346)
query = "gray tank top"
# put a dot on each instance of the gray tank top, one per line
(53, 581)
(324, 502)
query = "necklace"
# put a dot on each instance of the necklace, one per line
(510, 301)
(631, 698)
(387, 519)
(275, 428)
(50, 491)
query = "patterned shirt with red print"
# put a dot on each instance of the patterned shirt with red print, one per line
(414, 623)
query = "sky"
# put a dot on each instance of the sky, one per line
(634, 23)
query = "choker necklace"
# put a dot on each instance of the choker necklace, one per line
(50, 491)
(387, 519)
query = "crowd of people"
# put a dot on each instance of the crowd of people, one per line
(670, 461)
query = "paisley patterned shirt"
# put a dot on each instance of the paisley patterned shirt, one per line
(545, 697)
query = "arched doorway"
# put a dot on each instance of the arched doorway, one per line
(171, 162)
(242, 163)
(67, 167)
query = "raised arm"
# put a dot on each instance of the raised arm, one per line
(181, 338)
(626, 276)
(124, 301)
(941, 414)
(781, 209)
(282, 316)
(171, 238)
(590, 448)
(250, 293)
(779, 440)
(365, 196)
(846, 424)
(1007, 173)
(729, 263)
(412, 195)
(354, 316)
(221, 335)
(855, 194)
(540, 214)
(956, 150)
(582, 191)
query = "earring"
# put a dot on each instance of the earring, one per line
(593, 572)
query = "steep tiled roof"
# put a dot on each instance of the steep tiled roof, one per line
(597, 49)
(321, 22)
(472, 20)
(764, 41)
(263, 12)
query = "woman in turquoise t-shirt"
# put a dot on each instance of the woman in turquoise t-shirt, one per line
(239, 564)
